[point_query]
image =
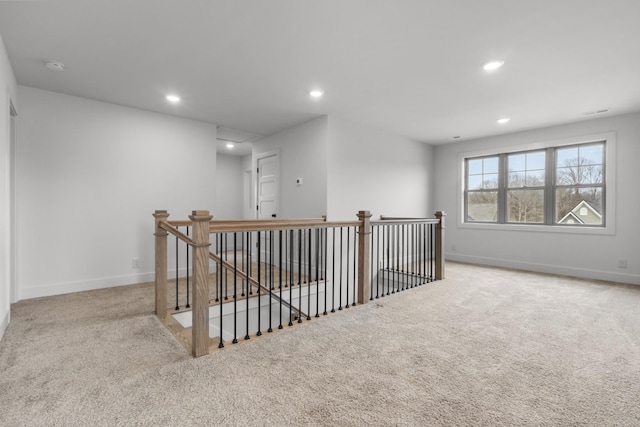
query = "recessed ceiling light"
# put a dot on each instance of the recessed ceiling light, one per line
(173, 98)
(503, 120)
(492, 65)
(54, 65)
(316, 93)
(230, 145)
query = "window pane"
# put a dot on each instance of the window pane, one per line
(474, 182)
(567, 176)
(592, 154)
(566, 156)
(535, 178)
(516, 180)
(490, 181)
(482, 206)
(525, 206)
(579, 206)
(475, 166)
(516, 162)
(591, 174)
(574, 175)
(490, 165)
(526, 169)
(536, 160)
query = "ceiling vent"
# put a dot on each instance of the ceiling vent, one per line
(591, 113)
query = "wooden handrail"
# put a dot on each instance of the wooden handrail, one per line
(398, 220)
(187, 223)
(253, 281)
(276, 225)
(169, 227)
(239, 225)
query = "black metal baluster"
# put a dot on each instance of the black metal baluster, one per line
(371, 261)
(291, 255)
(188, 306)
(333, 272)
(235, 294)
(270, 280)
(378, 262)
(413, 254)
(280, 275)
(246, 336)
(250, 263)
(244, 265)
(355, 264)
(177, 269)
(317, 272)
(402, 274)
(419, 256)
(430, 254)
(385, 244)
(259, 282)
(309, 277)
(219, 269)
(341, 274)
(325, 271)
(300, 275)
(392, 243)
(221, 343)
(226, 258)
(347, 273)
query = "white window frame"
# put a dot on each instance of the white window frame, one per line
(609, 197)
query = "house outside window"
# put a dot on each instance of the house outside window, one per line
(556, 185)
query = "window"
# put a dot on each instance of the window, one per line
(579, 184)
(526, 187)
(550, 186)
(482, 189)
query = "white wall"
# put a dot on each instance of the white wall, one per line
(583, 255)
(89, 176)
(229, 187)
(8, 92)
(248, 198)
(303, 154)
(371, 169)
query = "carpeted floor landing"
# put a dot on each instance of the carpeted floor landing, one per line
(485, 347)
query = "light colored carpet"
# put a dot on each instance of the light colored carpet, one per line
(483, 347)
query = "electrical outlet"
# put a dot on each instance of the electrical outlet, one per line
(135, 263)
(453, 248)
(622, 263)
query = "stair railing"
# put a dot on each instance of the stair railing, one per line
(347, 263)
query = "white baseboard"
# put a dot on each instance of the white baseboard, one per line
(84, 285)
(583, 273)
(5, 323)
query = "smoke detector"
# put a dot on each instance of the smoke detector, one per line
(54, 65)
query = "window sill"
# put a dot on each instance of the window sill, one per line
(608, 230)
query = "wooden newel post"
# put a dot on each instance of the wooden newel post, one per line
(200, 307)
(364, 231)
(161, 264)
(440, 245)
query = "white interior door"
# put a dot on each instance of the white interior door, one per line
(267, 187)
(267, 201)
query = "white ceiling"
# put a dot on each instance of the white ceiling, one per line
(412, 67)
